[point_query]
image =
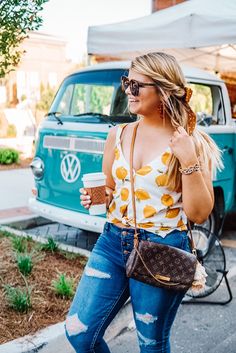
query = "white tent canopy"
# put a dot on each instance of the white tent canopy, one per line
(200, 32)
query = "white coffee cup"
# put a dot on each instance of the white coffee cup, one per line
(94, 184)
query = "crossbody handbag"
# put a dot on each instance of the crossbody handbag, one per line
(158, 264)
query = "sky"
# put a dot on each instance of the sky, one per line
(70, 19)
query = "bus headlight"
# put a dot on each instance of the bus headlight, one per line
(37, 167)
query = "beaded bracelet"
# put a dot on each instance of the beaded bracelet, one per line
(195, 168)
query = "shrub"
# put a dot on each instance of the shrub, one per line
(18, 298)
(29, 238)
(8, 156)
(51, 245)
(63, 286)
(5, 233)
(24, 263)
(19, 244)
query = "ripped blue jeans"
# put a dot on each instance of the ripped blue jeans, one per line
(104, 288)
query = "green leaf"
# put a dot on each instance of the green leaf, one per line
(17, 18)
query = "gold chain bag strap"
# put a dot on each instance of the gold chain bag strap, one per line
(158, 264)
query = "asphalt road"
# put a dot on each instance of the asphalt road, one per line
(198, 328)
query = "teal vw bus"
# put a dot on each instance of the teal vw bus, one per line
(71, 140)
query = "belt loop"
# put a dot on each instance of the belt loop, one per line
(106, 226)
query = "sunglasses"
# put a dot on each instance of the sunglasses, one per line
(134, 85)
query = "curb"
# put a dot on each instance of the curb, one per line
(4, 221)
(69, 248)
(15, 214)
(45, 341)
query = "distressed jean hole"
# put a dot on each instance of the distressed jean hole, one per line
(93, 272)
(74, 326)
(146, 318)
(145, 341)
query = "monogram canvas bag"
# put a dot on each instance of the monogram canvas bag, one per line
(158, 264)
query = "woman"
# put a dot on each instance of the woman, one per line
(172, 173)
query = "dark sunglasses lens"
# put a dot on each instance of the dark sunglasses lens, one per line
(134, 88)
(124, 82)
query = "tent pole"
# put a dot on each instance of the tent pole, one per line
(89, 59)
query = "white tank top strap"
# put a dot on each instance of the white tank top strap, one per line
(118, 132)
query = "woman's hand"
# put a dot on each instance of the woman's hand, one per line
(183, 148)
(85, 199)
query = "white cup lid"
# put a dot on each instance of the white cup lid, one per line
(93, 176)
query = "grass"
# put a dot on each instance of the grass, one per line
(42, 298)
(19, 244)
(63, 286)
(51, 245)
(6, 234)
(24, 263)
(18, 298)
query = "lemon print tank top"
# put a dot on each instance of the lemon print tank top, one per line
(158, 209)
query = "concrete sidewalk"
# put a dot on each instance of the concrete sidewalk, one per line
(198, 328)
(16, 186)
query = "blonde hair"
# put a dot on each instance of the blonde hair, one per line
(163, 69)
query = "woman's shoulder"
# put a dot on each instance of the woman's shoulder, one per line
(115, 131)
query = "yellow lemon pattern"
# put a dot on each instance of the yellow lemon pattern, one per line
(181, 225)
(165, 158)
(123, 209)
(112, 207)
(167, 200)
(149, 211)
(121, 173)
(158, 209)
(161, 180)
(117, 153)
(115, 220)
(164, 228)
(141, 194)
(144, 170)
(124, 194)
(172, 213)
(146, 225)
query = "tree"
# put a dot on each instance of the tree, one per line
(17, 18)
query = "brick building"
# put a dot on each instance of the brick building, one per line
(44, 64)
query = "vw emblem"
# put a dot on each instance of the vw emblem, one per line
(70, 168)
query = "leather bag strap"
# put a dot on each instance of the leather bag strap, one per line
(132, 184)
(193, 248)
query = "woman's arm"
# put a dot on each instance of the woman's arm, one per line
(197, 188)
(108, 159)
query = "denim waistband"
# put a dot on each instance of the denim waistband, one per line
(130, 231)
(118, 230)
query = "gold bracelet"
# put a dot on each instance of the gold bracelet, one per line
(186, 171)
